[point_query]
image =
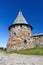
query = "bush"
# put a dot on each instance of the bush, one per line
(1, 48)
(5, 49)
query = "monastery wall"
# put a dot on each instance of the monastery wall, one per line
(21, 38)
(18, 37)
(23, 42)
(38, 40)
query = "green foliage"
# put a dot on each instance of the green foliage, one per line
(31, 51)
(1, 49)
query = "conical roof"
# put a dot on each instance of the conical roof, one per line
(20, 19)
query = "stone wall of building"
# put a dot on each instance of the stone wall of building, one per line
(18, 37)
(21, 38)
(38, 40)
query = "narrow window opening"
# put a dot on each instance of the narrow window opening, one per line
(20, 25)
(25, 41)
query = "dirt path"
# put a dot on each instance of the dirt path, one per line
(17, 59)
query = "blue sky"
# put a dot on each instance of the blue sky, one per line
(32, 11)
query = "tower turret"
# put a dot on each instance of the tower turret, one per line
(20, 30)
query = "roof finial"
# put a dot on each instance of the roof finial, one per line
(20, 12)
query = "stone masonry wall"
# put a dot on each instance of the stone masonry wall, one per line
(38, 40)
(21, 38)
(18, 38)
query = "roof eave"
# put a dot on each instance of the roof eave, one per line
(20, 24)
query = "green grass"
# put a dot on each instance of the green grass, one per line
(31, 51)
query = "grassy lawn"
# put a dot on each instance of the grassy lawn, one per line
(31, 51)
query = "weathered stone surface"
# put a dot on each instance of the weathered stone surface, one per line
(17, 37)
(17, 41)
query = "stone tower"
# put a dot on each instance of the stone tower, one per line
(20, 30)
